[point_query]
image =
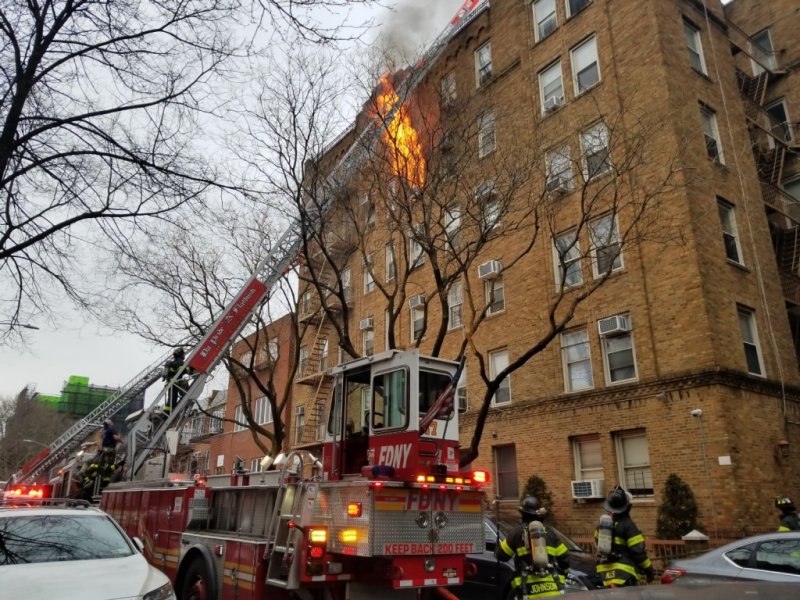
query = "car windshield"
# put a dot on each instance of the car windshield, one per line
(506, 526)
(51, 538)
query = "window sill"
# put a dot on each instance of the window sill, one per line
(622, 382)
(613, 273)
(742, 267)
(588, 90)
(494, 314)
(485, 154)
(703, 75)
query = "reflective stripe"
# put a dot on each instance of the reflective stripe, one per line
(783, 528)
(557, 551)
(646, 564)
(636, 539)
(507, 550)
(605, 568)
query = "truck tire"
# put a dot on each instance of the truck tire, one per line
(197, 583)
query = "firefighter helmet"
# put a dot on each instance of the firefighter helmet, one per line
(618, 501)
(785, 504)
(178, 353)
(108, 423)
(531, 506)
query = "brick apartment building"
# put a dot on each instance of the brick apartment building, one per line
(271, 362)
(640, 147)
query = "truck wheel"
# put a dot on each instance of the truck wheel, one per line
(197, 582)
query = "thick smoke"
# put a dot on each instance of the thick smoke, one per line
(411, 25)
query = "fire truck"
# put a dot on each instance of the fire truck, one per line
(384, 511)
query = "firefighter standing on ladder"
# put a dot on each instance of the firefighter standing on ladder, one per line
(541, 560)
(181, 385)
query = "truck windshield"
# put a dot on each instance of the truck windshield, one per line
(51, 538)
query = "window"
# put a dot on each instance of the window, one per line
(255, 465)
(486, 136)
(390, 399)
(448, 89)
(417, 323)
(323, 354)
(551, 88)
(711, 134)
(305, 303)
(215, 425)
(455, 302)
(461, 391)
(618, 357)
(489, 203)
(494, 290)
(779, 556)
(558, 169)
(415, 255)
(544, 15)
(263, 411)
(568, 260)
(274, 349)
(302, 361)
(391, 264)
(588, 456)
(238, 416)
(368, 342)
(730, 237)
(299, 423)
(763, 53)
(576, 6)
(498, 361)
(780, 125)
(505, 464)
(633, 459)
(585, 67)
(606, 250)
(694, 46)
(792, 187)
(370, 215)
(483, 64)
(369, 279)
(752, 352)
(577, 360)
(452, 227)
(595, 150)
(346, 277)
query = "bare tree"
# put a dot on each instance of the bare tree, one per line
(437, 190)
(102, 106)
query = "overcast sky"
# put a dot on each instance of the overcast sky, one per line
(78, 346)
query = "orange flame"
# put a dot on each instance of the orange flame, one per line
(405, 150)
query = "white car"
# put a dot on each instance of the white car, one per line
(73, 552)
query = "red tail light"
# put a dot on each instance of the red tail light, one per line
(671, 575)
(317, 539)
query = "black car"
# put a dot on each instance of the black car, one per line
(492, 580)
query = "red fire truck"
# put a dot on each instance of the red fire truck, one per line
(384, 512)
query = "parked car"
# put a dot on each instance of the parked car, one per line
(766, 557)
(72, 552)
(718, 590)
(492, 579)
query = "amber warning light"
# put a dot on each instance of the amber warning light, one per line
(354, 509)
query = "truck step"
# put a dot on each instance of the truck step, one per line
(281, 583)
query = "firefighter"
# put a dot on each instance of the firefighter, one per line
(789, 518)
(181, 385)
(621, 548)
(540, 566)
(111, 436)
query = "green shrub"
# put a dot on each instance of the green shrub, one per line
(677, 514)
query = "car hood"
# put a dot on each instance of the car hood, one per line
(108, 579)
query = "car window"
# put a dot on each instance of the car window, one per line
(50, 538)
(782, 556)
(741, 556)
(571, 544)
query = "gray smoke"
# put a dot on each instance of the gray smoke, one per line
(411, 25)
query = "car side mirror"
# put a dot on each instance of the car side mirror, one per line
(139, 545)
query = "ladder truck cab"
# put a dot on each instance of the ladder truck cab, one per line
(385, 513)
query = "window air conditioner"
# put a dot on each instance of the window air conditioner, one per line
(416, 301)
(365, 324)
(616, 325)
(587, 489)
(552, 103)
(490, 269)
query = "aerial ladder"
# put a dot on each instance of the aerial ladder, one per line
(148, 433)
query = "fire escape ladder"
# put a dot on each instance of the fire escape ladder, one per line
(283, 566)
